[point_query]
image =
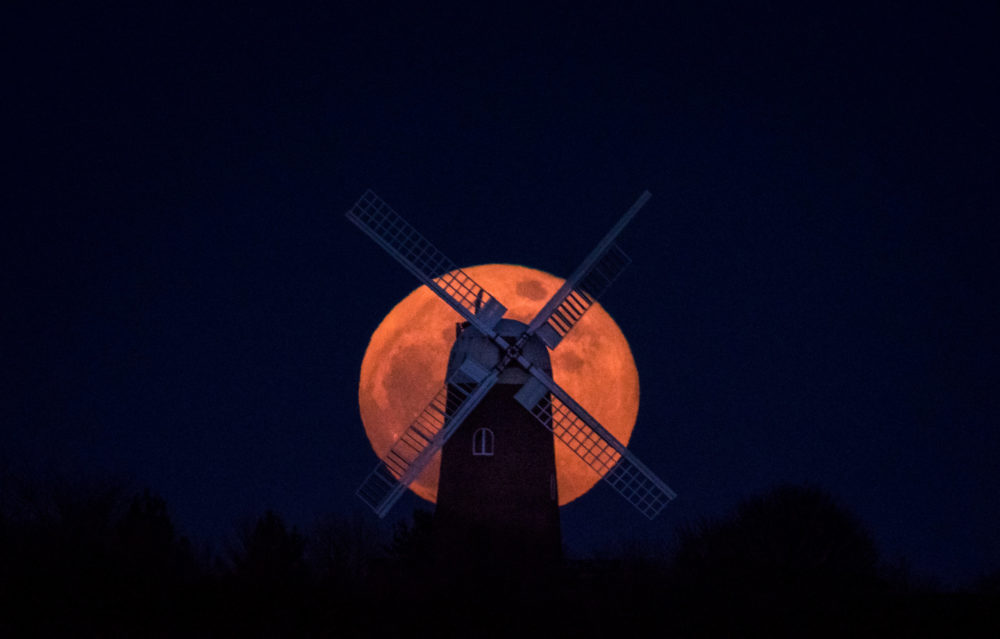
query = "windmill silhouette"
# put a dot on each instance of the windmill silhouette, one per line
(497, 476)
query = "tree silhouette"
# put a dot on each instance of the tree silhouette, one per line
(95, 558)
(81, 555)
(265, 593)
(146, 537)
(413, 543)
(271, 555)
(343, 552)
(790, 557)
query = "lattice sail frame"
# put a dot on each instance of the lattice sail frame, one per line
(587, 283)
(425, 436)
(590, 441)
(432, 267)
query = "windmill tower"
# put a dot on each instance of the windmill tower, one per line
(497, 496)
(497, 414)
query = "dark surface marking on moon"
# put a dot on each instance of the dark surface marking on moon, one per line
(532, 289)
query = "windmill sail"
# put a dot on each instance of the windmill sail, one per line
(585, 436)
(424, 437)
(432, 267)
(594, 275)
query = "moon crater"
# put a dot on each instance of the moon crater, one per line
(569, 361)
(532, 289)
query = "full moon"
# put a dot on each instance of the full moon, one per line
(407, 358)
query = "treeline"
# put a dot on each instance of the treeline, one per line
(98, 560)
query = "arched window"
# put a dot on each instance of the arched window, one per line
(482, 442)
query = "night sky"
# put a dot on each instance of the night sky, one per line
(812, 297)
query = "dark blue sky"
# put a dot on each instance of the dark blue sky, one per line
(813, 289)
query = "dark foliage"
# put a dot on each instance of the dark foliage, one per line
(792, 561)
(79, 556)
(413, 542)
(344, 552)
(97, 559)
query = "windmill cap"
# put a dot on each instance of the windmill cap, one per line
(470, 343)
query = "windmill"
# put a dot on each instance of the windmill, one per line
(499, 377)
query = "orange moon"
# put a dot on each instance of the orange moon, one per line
(407, 357)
